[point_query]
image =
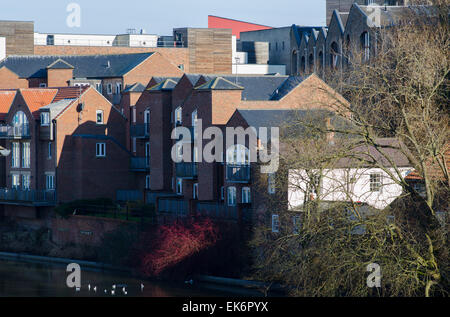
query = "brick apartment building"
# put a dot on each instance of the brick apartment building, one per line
(224, 188)
(66, 144)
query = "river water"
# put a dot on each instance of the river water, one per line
(25, 279)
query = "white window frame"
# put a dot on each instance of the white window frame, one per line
(100, 112)
(275, 223)
(26, 181)
(15, 180)
(15, 158)
(246, 195)
(375, 182)
(99, 87)
(178, 116)
(118, 88)
(195, 191)
(179, 186)
(26, 155)
(231, 196)
(109, 89)
(100, 150)
(45, 119)
(50, 181)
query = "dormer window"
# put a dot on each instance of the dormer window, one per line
(45, 119)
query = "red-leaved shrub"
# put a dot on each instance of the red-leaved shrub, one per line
(176, 242)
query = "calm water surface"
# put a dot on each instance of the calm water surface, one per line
(24, 279)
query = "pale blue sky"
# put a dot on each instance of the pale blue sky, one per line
(159, 17)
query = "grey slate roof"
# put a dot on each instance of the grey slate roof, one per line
(60, 64)
(57, 107)
(219, 83)
(257, 87)
(87, 66)
(136, 87)
(286, 87)
(167, 84)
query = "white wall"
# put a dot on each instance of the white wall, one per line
(336, 187)
(75, 39)
(258, 69)
(2, 48)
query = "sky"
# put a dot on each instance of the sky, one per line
(161, 16)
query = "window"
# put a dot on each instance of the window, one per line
(147, 182)
(15, 181)
(296, 224)
(99, 87)
(100, 149)
(147, 121)
(194, 118)
(195, 191)
(178, 118)
(375, 182)
(133, 114)
(109, 89)
(26, 181)
(26, 155)
(50, 181)
(181, 66)
(134, 144)
(118, 88)
(45, 119)
(271, 183)
(238, 155)
(15, 161)
(283, 45)
(99, 116)
(179, 186)
(275, 224)
(49, 150)
(246, 198)
(147, 154)
(365, 45)
(222, 193)
(231, 196)
(42, 85)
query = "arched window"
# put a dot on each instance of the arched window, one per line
(334, 54)
(20, 119)
(365, 45)
(311, 63)
(302, 64)
(238, 155)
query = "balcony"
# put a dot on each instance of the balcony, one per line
(140, 130)
(15, 132)
(174, 207)
(217, 211)
(187, 170)
(238, 173)
(33, 197)
(140, 164)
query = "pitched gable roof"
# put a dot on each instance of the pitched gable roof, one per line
(136, 87)
(56, 108)
(85, 66)
(219, 83)
(60, 64)
(286, 87)
(37, 98)
(6, 99)
(167, 84)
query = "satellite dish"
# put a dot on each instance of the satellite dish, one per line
(5, 152)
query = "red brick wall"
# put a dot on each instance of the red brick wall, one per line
(176, 56)
(82, 230)
(59, 77)
(9, 80)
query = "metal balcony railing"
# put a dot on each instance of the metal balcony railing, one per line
(217, 211)
(140, 163)
(238, 173)
(15, 132)
(140, 130)
(28, 196)
(187, 170)
(174, 207)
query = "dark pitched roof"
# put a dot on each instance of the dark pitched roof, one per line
(167, 84)
(87, 66)
(257, 87)
(60, 64)
(219, 83)
(136, 87)
(193, 78)
(286, 87)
